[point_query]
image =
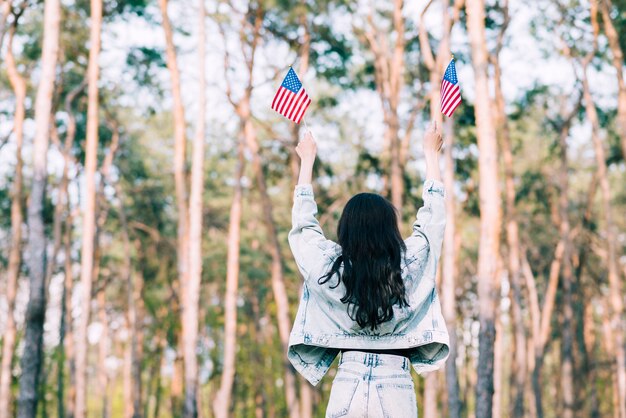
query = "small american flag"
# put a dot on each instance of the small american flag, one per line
(291, 99)
(450, 90)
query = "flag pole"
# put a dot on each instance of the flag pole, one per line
(305, 125)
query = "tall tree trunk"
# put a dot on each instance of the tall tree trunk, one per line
(520, 368)
(431, 409)
(242, 107)
(102, 211)
(103, 347)
(278, 279)
(36, 309)
(498, 353)
(133, 350)
(66, 335)
(567, 344)
(63, 324)
(585, 337)
(448, 284)
(221, 405)
(609, 347)
(179, 180)
(588, 346)
(277, 275)
(618, 64)
(304, 55)
(179, 167)
(89, 221)
(541, 319)
(176, 384)
(190, 311)
(8, 344)
(137, 339)
(396, 82)
(306, 389)
(5, 10)
(127, 366)
(489, 248)
(389, 77)
(615, 288)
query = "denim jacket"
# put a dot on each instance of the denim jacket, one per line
(322, 325)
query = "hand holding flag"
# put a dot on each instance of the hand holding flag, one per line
(450, 90)
(291, 99)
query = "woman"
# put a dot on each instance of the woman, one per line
(371, 296)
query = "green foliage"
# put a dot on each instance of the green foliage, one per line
(146, 63)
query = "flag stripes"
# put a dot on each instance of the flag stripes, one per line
(450, 91)
(291, 100)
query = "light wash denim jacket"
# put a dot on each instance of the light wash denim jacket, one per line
(322, 324)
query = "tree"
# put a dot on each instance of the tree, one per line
(89, 213)
(489, 248)
(606, 6)
(615, 286)
(35, 311)
(190, 311)
(179, 176)
(15, 256)
(435, 67)
(389, 76)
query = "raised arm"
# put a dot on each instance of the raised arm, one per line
(306, 238)
(430, 221)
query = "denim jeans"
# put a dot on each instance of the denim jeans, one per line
(371, 385)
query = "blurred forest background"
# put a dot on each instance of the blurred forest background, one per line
(146, 189)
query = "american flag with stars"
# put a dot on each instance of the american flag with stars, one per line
(291, 99)
(450, 90)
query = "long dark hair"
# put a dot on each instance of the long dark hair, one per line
(372, 248)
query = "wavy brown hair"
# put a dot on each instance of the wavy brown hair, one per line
(372, 249)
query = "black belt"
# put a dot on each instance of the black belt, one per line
(404, 352)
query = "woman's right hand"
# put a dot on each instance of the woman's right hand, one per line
(307, 148)
(433, 140)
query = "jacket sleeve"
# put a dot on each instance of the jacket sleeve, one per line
(306, 239)
(430, 221)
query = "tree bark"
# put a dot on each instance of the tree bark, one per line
(221, 405)
(448, 284)
(306, 389)
(89, 221)
(102, 210)
(490, 216)
(520, 368)
(567, 344)
(180, 184)
(389, 77)
(277, 275)
(8, 344)
(67, 332)
(618, 64)
(498, 353)
(66, 335)
(541, 318)
(103, 349)
(36, 309)
(179, 175)
(278, 280)
(615, 288)
(190, 311)
(585, 337)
